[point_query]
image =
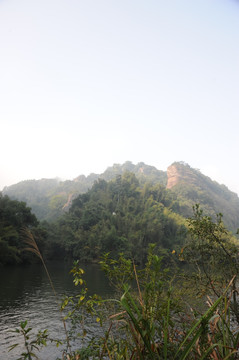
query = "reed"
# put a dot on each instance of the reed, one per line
(145, 323)
(30, 241)
(146, 319)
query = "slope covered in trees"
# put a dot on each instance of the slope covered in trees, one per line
(125, 214)
(119, 216)
(190, 186)
(14, 216)
(50, 198)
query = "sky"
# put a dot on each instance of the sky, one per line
(86, 84)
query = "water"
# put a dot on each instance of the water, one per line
(25, 294)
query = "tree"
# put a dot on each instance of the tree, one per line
(214, 254)
(14, 215)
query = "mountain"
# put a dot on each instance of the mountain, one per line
(50, 198)
(190, 186)
(117, 216)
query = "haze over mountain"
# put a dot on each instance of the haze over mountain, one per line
(49, 198)
(85, 84)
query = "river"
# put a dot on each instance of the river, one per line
(25, 294)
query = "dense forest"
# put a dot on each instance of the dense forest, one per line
(120, 216)
(193, 187)
(14, 216)
(146, 233)
(124, 212)
(50, 198)
(115, 216)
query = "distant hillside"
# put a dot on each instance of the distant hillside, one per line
(190, 187)
(50, 198)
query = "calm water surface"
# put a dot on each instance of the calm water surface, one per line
(25, 294)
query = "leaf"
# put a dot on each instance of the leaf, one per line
(204, 319)
(23, 324)
(12, 347)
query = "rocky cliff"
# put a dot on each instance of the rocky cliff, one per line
(173, 176)
(181, 172)
(190, 187)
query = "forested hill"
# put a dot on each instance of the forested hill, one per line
(14, 217)
(117, 216)
(50, 198)
(124, 214)
(190, 186)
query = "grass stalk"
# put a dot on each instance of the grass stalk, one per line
(165, 330)
(33, 247)
(203, 320)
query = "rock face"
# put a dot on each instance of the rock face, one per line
(173, 176)
(181, 172)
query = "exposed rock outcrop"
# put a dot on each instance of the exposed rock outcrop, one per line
(173, 176)
(68, 203)
(180, 171)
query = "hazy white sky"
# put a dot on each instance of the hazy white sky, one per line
(85, 84)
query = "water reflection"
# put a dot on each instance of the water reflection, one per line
(25, 294)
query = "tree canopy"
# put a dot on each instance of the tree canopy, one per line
(14, 216)
(120, 216)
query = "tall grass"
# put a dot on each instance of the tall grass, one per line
(146, 320)
(146, 323)
(30, 241)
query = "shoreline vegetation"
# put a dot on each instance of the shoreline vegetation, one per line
(175, 272)
(123, 214)
(148, 317)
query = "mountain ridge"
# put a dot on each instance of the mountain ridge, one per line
(54, 195)
(49, 198)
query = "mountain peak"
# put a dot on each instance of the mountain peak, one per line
(180, 171)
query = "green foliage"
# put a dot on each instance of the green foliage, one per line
(213, 253)
(119, 216)
(14, 215)
(35, 193)
(50, 198)
(119, 272)
(32, 342)
(126, 208)
(147, 320)
(193, 187)
(8, 254)
(144, 320)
